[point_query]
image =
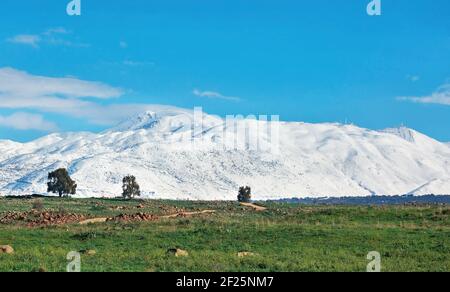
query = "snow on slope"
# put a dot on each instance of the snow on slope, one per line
(315, 160)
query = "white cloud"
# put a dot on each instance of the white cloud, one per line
(51, 36)
(66, 43)
(129, 63)
(27, 121)
(413, 78)
(440, 96)
(69, 97)
(56, 30)
(26, 39)
(137, 63)
(214, 95)
(22, 85)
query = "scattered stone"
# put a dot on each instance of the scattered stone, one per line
(120, 208)
(188, 214)
(7, 249)
(36, 218)
(89, 252)
(47, 218)
(243, 254)
(178, 252)
(139, 217)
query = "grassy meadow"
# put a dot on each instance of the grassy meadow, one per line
(285, 237)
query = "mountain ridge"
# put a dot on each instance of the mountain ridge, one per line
(175, 156)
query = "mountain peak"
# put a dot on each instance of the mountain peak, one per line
(166, 119)
(149, 119)
(402, 132)
(145, 120)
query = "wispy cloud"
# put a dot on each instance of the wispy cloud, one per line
(215, 95)
(56, 30)
(26, 39)
(413, 78)
(132, 63)
(27, 121)
(123, 45)
(70, 97)
(52, 36)
(21, 85)
(440, 96)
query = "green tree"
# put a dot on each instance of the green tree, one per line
(59, 182)
(130, 187)
(245, 194)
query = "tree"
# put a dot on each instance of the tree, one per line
(59, 182)
(245, 194)
(130, 187)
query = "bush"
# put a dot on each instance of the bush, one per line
(245, 194)
(37, 205)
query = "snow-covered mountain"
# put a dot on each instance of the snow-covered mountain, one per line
(176, 155)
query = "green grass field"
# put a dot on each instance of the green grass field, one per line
(285, 237)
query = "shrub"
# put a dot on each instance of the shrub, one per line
(38, 205)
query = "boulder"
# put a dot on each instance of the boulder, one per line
(7, 249)
(89, 252)
(243, 254)
(178, 252)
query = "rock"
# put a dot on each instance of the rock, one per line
(7, 249)
(178, 252)
(243, 254)
(89, 252)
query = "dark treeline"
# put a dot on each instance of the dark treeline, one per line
(372, 200)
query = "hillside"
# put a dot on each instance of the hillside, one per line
(314, 160)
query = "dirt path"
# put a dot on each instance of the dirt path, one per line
(145, 217)
(187, 214)
(94, 220)
(256, 207)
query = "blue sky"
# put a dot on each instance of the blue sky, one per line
(313, 61)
